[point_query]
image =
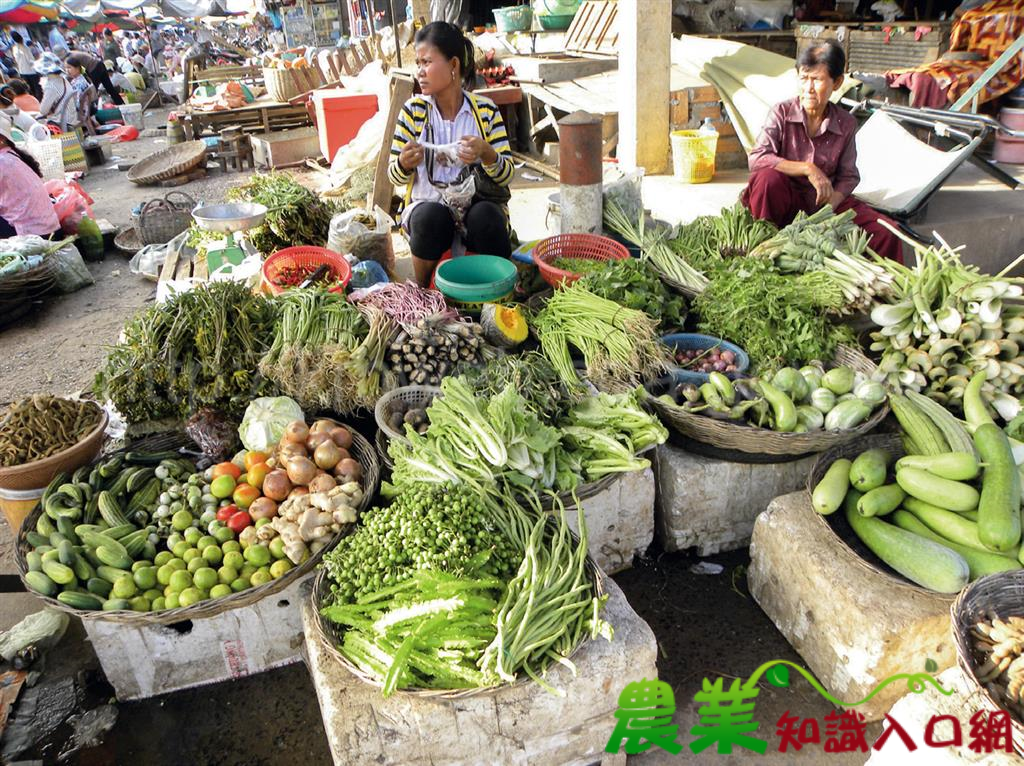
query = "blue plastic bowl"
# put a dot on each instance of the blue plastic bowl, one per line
(476, 278)
(685, 341)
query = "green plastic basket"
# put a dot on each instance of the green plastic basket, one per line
(515, 18)
(476, 279)
(556, 22)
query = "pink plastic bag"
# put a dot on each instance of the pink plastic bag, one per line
(70, 202)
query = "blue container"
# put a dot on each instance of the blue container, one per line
(686, 341)
(476, 279)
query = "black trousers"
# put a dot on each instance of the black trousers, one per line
(99, 77)
(431, 230)
(32, 80)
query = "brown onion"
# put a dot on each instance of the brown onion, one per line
(342, 437)
(301, 470)
(263, 508)
(327, 455)
(323, 483)
(348, 470)
(298, 492)
(297, 431)
(322, 425)
(292, 449)
(277, 485)
(315, 440)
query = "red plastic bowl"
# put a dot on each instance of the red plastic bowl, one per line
(307, 257)
(590, 246)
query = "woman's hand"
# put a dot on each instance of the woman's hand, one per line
(822, 186)
(411, 156)
(474, 149)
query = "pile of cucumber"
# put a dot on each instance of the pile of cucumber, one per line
(942, 517)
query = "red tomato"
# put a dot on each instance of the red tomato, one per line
(239, 521)
(225, 513)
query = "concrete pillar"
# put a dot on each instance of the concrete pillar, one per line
(645, 35)
(579, 169)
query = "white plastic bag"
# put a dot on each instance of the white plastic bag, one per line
(364, 234)
(70, 270)
(148, 261)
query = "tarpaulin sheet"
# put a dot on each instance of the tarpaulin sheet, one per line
(180, 9)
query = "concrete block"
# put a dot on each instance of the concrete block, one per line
(853, 626)
(143, 662)
(711, 504)
(515, 725)
(620, 520)
(913, 713)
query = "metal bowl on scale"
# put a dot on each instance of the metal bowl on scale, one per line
(230, 217)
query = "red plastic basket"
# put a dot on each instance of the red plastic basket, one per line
(306, 257)
(590, 246)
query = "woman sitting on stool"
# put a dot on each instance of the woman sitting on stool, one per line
(25, 205)
(806, 155)
(447, 115)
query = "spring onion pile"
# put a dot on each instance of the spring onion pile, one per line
(620, 346)
(947, 321)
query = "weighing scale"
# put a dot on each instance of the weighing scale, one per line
(231, 219)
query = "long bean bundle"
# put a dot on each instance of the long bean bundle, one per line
(620, 346)
(408, 303)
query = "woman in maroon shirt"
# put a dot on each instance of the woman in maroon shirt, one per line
(806, 155)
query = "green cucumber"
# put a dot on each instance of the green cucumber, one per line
(869, 469)
(67, 528)
(999, 508)
(949, 525)
(881, 500)
(66, 553)
(41, 583)
(110, 574)
(49, 555)
(945, 493)
(36, 540)
(99, 587)
(80, 600)
(59, 573)
(114, 558)
(921, 561)
(829, 493)
(958, 466)
(34, 560)
(116, 605)
(45, 526)
(980, 563)
(83, 569)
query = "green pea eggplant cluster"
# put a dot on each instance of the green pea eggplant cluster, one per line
(792, 401)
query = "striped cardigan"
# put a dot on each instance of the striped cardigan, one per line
(414, 116)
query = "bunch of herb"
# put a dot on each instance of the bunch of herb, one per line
(777, 319)
(533, 376)
(636, 285)
(296, 215)
(707, 240)
(200, 348)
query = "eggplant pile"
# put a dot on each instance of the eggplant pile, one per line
(793, 401)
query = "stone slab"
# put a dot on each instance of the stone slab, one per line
(620, 520)
(515, 725)
(913, 713)
(852, 625)
(711, 504)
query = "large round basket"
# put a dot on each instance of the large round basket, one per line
(588, 246)
(283, 84)
(999, 595)
(32, 283)
(412, 396)
(39, 473)
(743, 443)
(361, 449)
(167, 163)
(330, 637)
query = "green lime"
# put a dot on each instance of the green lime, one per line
(213, 554)
(192, 536)
(231, 545)
(206, 541)
(261, 577)
(222, 487)
(181, 520)
(140, 604)
(277, 547)
(163, 574)
(196, 564)
(137, 565)
(205, 578)
(258, 555)
(226, 574)
(145, 578)
(190, 596)
(261, 522)
(180, 548)
(223, 535)
(190, 554)
(162, 558)
(168, 591)
(280, 567)
(124, 587)
(177, 564)
(153, 594)
(234, 559)
(158, 604)
(240, 584)
(180, 581)
(171, 601)
(173, 539)
(220, 590)
(247, 571)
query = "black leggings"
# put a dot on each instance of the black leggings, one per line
(32, 80)
(100, 77)
(431, 230)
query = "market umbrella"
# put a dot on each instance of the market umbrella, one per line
(25, 12)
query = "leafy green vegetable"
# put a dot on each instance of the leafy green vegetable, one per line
(532, 375)
(636, 285)
(296, 216)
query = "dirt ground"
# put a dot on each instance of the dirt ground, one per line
(706, 626)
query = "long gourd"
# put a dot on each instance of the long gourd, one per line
(980, 563)
(999, 506)
(921, 561)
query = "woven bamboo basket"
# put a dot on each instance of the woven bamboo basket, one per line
(998, 595)
(39, 473)
(31, 284)
(330, 637)
(167, 163)
(361, 450)
(740, 440)
(283, 84)
(418, 396)
(685, 290)
(837, 523)
(162, 219)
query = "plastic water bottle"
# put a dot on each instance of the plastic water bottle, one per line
(707, 129)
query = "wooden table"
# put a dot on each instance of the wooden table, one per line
(507, 98)
(261, 116)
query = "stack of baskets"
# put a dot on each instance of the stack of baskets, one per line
(516, 18)
(285, 84)
(161, 220)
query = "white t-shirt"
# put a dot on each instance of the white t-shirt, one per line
(23, 59)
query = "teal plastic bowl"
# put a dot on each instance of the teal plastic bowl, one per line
(556, 21)
(476, 278)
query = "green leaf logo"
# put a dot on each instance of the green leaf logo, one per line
(778, 675)
(931, 665)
